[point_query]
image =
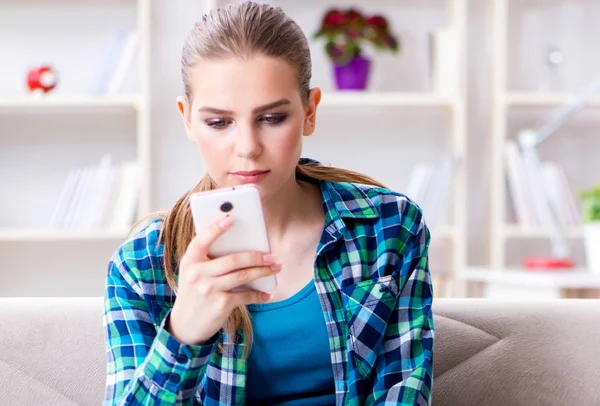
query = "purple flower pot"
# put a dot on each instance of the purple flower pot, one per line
(354, 75)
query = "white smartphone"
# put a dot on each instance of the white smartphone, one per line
(247, 232)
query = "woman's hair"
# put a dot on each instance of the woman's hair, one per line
(241, 30)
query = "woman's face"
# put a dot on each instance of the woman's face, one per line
(247, 119)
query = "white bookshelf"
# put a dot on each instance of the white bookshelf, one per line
(75, 104)
(542, 99)
(32, 123)
(355, 98)
(507, 98)
(578, 278)
(49, 235)
(516, 231)
(451, 106)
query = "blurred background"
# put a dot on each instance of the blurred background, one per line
(434, 98)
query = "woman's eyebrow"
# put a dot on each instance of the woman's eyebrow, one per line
(270, 106)
(256, 110)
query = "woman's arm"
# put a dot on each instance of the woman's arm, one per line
(145, 365)
(404, 371)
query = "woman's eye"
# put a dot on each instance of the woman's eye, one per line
(273, 119)
(218, 123)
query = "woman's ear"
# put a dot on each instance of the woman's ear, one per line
(310, 122)
(184, 110)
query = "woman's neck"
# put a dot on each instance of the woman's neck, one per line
(297, 203)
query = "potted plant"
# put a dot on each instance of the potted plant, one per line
(345, 33)
(591, 220)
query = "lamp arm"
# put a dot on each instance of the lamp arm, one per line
(563, 113)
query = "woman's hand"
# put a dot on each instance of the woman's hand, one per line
(204, 298)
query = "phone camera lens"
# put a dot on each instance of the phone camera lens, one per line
(226, 207)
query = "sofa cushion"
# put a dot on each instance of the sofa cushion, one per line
(52, 351)
(487, 352)
(494, 352)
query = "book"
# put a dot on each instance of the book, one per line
(101, 196)
(573, 208)
(563, 200)
(112, 52)
(518, 185)
(557, 193)
(96, 194)
(125, 63)
(83, 196)
(539, 194)
(126, 198)
(536, 183)
(437, 193)
(59, 214)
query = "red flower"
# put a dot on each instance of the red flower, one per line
(390, 42)
(353, 15)
(333, 18)
(378, 22)
(353, 32)
(345, 31)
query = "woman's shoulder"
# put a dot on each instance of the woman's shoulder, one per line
(142, 249)
(382, 204)
(137, 266)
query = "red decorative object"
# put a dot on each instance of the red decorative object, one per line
(42, 79)
(548, 264)
(345, 31)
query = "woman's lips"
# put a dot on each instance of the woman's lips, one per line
(249, 176)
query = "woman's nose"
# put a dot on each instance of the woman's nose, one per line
(247, 142)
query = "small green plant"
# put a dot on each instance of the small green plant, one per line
(591, 205)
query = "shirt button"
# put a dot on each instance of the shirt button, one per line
(174, 378)
(181, 358)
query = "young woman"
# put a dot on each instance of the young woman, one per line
(350, 321)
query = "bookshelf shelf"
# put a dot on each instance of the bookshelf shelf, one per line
(66, 103)
(516, 231)
(49, 235)
(354, 98)
(576, 278)
(543, 99)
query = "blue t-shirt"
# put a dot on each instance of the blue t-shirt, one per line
(290, 361)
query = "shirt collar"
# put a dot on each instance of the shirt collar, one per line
(347, 200)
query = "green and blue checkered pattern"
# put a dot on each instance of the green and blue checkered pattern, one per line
(374, 285)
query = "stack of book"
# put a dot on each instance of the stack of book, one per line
(103, 196)
(118, 63)
(526, 188)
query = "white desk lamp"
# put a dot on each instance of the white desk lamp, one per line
(529, 140)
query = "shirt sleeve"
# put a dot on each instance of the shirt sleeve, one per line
(404, 370)
(145, 364)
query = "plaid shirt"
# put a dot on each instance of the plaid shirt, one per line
(374, 285)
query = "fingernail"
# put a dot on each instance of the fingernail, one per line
(276, 268)
(268, 258)
(226, 222)
(265, 296)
